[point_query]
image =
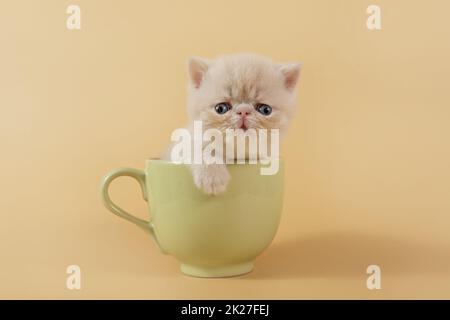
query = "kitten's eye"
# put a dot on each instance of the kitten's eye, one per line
(222, 108)
(264, 109)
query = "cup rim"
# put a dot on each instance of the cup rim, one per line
(159, 160)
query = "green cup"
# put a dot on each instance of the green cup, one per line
(211, 236)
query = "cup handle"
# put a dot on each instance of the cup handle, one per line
(139, 176)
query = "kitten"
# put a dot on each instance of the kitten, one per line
(240, 91)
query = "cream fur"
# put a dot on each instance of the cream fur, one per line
(242, 80)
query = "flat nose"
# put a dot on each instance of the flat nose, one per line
(244, 109)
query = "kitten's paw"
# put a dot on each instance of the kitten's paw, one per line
(211, 179)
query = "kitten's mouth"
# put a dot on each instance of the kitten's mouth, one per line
(243, 127)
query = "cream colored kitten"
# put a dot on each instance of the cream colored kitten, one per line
(239, 91)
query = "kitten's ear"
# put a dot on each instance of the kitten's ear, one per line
(197, 68)
(291, 73)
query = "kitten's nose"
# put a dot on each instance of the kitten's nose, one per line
(244, 109)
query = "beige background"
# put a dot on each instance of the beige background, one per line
(368, 156)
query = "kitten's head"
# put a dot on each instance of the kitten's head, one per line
(242, 91)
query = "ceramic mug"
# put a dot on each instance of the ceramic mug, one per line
(211, 236)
